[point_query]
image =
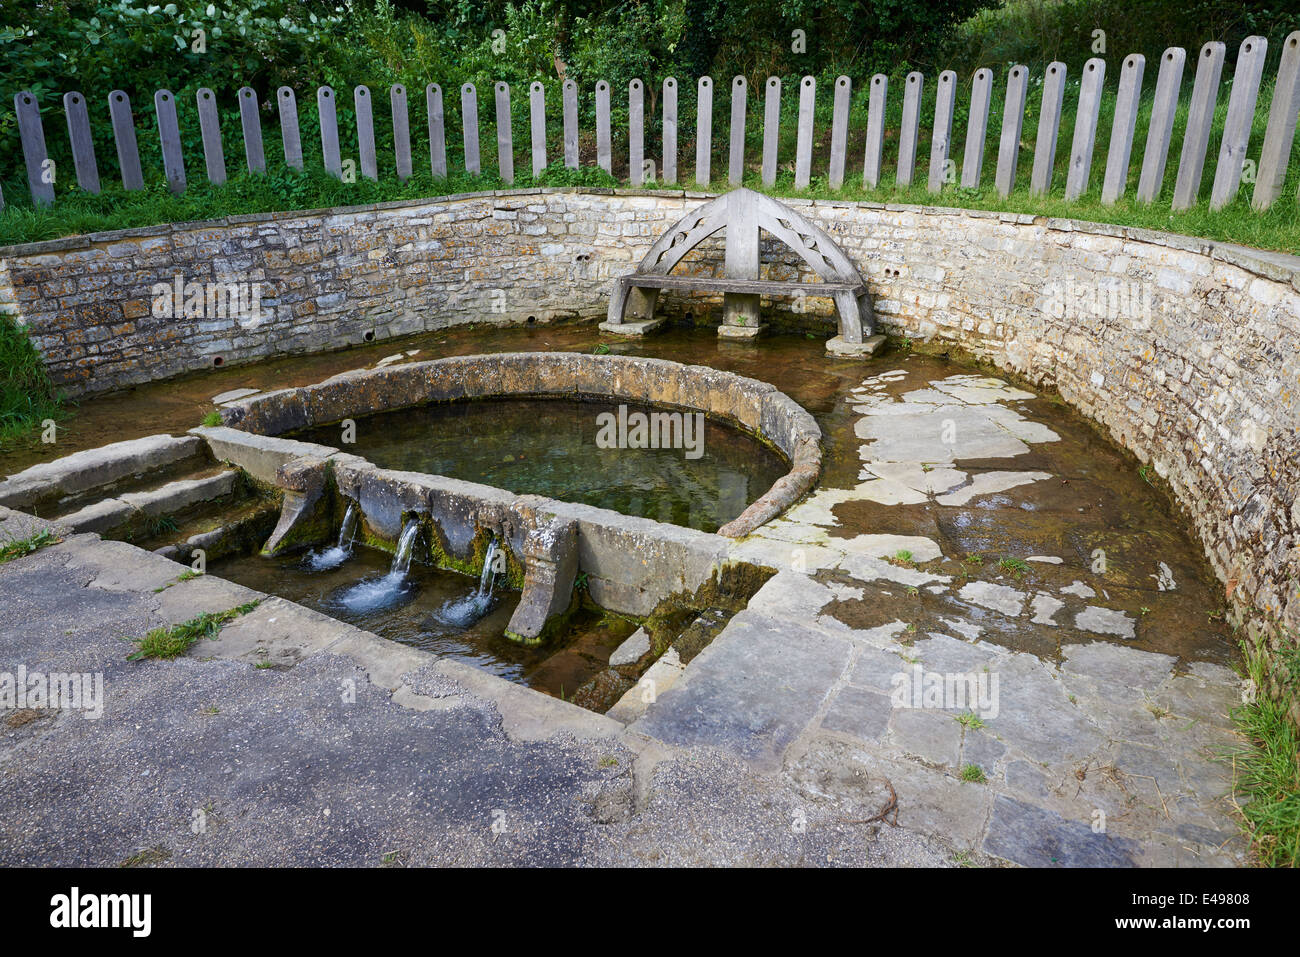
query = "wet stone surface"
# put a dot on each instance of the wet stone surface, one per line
(991, 549)
(987, 639)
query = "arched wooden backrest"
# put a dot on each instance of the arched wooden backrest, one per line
(813, 245)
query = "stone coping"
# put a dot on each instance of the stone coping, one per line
(1283, 267)
(757, 407)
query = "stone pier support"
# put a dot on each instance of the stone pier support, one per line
(304, 518)
(550, 555)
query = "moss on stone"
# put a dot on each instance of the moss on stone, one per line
(728, 589)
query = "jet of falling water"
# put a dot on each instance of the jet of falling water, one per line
(405, 545)
(371, 594)
(463, 612)
(336, 555)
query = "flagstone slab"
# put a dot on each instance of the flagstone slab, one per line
(1036, 837)
(752, 691)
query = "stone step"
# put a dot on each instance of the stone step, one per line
(198, 466)
(72, 476)
(219, 529)
(173, 498)
(659, 677)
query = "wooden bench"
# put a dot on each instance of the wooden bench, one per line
(764, 287)
(743, 214)
(632, 304)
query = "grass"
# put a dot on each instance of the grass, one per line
(212, 419)
(973, 773)
(27, 397)
(18, 547)
(1157, 711)
(147, 858)
(184, 576)
(1015, 566)
(282, 188)
(970, 721)
(1267, 766)
(171, 641)
(159, 524)
(76, 212)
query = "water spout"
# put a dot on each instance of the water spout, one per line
(372, 594)
(405, 545)
(488, 577)
(334, 557)
(463, 612)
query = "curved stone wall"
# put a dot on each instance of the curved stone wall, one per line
(755, 406)
(1184, 349)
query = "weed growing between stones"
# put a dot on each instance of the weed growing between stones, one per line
(149, 857)
(18, 547)
(27, 397)
(184, 576)
(1016, 566)
(169, 642)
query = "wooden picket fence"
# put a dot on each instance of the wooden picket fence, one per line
(1270, 173)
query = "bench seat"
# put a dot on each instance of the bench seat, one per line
(773, 287)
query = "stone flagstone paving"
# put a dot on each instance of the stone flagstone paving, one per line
(1099, 752)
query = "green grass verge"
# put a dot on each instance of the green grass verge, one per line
(1267, 766)
(27, 397)
(18, 547)
(282, 188)
(171, 641)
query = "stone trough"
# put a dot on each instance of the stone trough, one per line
(630, 563)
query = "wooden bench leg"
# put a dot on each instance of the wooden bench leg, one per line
(741, 311)
(617, 303)
(855, 317)
(631, 310)
(640, 304)
(846, 304)
(868, 315)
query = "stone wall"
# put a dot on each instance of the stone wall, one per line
(1191, 361)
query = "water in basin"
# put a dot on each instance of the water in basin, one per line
(554, 447)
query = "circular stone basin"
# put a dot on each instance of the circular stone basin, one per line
(747, 404)
(671, 466)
